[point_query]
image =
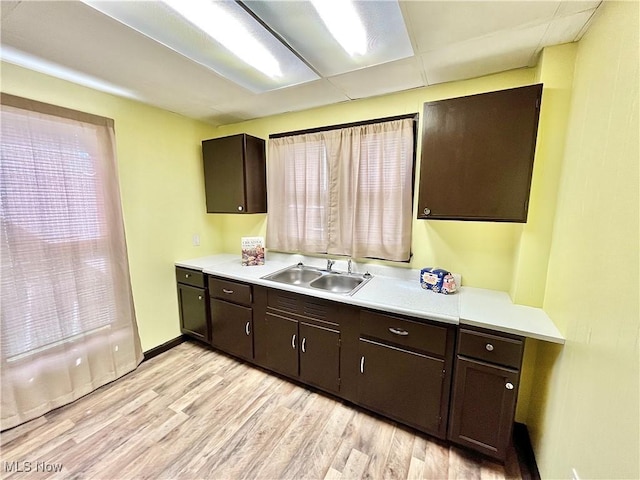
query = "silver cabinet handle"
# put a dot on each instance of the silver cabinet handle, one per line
(427, 211)
(489, 347)
(199, 297)
(186, 275)
(228, 292)
(508, 386)
(240, 208)
(304, 341)
(362, 364)
(293, 341)
(246, 329)
(398, 331)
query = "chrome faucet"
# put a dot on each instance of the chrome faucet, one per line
(349, 271)
(330, 264)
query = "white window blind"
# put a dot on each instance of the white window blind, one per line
(352, 195)
(66, 294)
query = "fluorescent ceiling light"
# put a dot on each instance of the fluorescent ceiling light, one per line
(345, 25)
(17, 57)
(224, 28)
(376, 28)
(219, 35)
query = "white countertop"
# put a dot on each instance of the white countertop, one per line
(398, 290)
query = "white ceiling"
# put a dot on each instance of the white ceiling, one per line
(452, 40)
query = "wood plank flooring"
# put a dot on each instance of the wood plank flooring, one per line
(193, 413)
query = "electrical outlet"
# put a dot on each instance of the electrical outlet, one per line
(196, 240)
(574, 474)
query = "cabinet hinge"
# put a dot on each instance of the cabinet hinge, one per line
(443, 374)
(537, 103)
(439, 420)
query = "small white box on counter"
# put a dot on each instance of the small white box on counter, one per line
(252, 251)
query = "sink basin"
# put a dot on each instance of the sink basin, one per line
(295, 276)
(312, 277)
(337, 283)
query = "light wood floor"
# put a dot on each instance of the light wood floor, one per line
(194, 413)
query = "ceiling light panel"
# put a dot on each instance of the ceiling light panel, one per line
(219, 35)
(315, 29)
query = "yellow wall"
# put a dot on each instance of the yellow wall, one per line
(160, 169)
(585, 410)
(484, 253)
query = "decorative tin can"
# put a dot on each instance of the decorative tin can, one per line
(438, 280)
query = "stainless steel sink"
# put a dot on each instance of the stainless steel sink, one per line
(296, 275)
(337, 282)
(313, 277)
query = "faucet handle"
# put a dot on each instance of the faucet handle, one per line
(330, 264)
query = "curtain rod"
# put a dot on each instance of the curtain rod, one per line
(413, 116)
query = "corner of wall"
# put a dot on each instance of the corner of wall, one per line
(555, 71)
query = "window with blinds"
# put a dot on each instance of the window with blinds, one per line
(343, 191)
(60, 245)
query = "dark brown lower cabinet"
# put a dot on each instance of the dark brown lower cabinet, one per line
(485, 389)
(320, 356)
(300, 350)
(483, 406)
(402, 384)
(192, 302)
(232, 329)
(276, 343)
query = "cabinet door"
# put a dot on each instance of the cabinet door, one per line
(483, 406)
(231, 328)
(477, 156)
(404, 385)
(192, 304)
(320, 356)
(276, 344)
(235, 174)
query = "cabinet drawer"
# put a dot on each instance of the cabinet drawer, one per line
(490, 348)
(230, 291)
(420, 336)
(190, 277)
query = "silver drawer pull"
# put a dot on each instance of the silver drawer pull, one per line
(362, 364)
(186, 275)
(293, 341)
(489, 347)
(228, 292)
(398, 331)
(246, 329)
(508, 386)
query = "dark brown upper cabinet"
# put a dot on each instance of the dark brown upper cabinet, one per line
(477, 156)
(235, 174)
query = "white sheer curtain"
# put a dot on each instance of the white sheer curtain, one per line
(343, 192)
(68, 322)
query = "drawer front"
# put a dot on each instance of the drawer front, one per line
(230, 291)
(416, 335)
(490, 348)
(190, 277)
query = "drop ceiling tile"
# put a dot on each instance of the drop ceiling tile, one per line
(566, 29)
(474, 58)
(386, 78)
(299, 97)
(439, 23)
(569, 7)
